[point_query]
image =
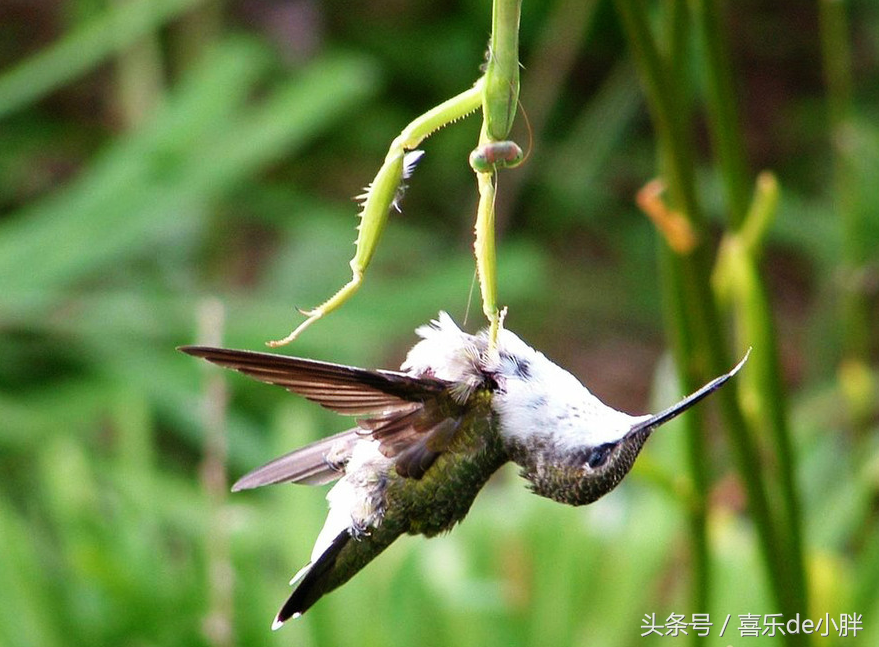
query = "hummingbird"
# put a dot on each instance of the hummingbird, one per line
(428, 437)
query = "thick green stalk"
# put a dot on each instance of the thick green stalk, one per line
(677, 321)
(737, 280)
(683, 321)
(723, 112)
(836, 54)
(676, 28)
(657, 80)
(677, 315)
(708, 354)
(754, 318)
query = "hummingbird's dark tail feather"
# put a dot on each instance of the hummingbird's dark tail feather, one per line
(677, 409)
(320, 462)
(312, 586)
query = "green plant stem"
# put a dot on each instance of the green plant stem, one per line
(682, 320)
(196, 32)
(754, 317)
(657, 79)
(699, 344)
(676, 26)
(677, 315)
(737, 279)
(836, 54)
(139, 78)
(722, 108)
(676, 320)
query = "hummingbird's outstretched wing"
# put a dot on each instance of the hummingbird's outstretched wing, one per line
(413, 418)
(317, 463)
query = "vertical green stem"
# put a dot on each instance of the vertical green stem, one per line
(704, 350)
(755, 320)
(686, 324)
(722, 108)
(195, 32)
(139, 77)
(678, 320)
(837, 63)
(676, 27)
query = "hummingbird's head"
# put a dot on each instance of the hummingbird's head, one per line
(586, 448)
(582, 474)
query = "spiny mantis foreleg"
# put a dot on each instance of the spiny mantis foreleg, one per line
(486, 160)
(381, 194)
(497, 92)
(499, 102)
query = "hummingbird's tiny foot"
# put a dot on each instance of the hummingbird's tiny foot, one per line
(300, 574)
(501, 317)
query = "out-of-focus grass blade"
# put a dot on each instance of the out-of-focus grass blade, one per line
(26, 598)
(68, 406)
(156, 185)
(293, 115)
(54, 241)
(578, 162)
(83, 49)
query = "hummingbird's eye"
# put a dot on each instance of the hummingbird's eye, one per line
(598, 456)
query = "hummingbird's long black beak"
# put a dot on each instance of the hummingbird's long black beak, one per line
(677, 409)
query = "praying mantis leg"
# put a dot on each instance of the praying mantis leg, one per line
(499, 102)
(486, 160)
(497, 92)
(382, 193)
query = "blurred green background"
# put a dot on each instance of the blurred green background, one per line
(174, 171)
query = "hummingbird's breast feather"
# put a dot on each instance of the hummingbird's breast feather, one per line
(373, 493)
(446, 352)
